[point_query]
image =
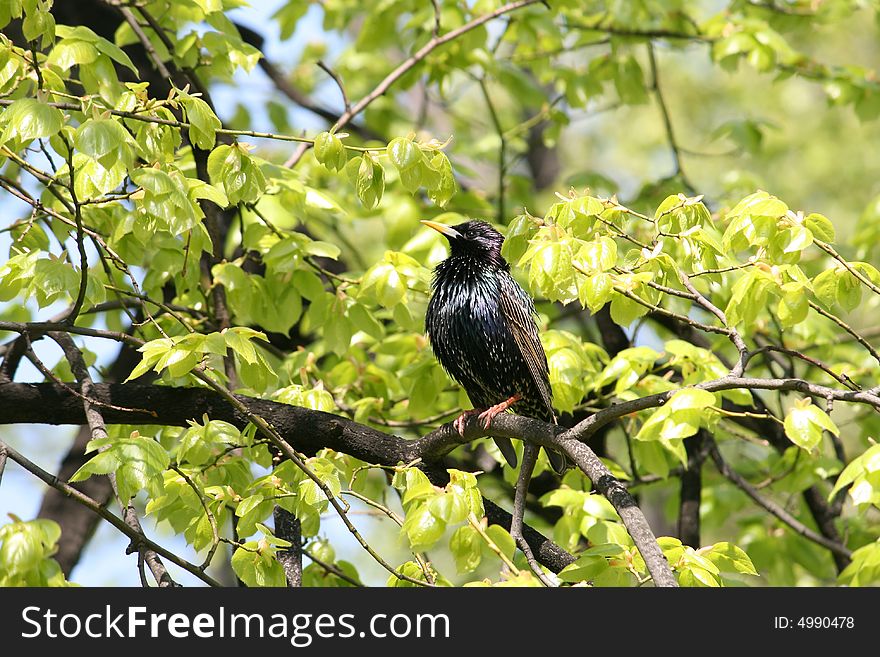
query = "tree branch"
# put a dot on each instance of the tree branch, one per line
(691, 488)
(502, 147)
(284, 85)
(287, 526)
(773, 508)
(667, 121)
(98, 431)
(434, 43)
(309, 431)
(98, 508)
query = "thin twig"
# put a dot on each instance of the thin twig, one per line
(98, 508)
(435, 31)
(478, 526)
(288, 451)
(502, 147)
(846, 327)
(146, 43)
(422, 561)
(80, 237)
(99, 432)
(410, 62)
(667, 120)
(529, 458)
(772, 507)
(333, 569)
(333, 74)
(215, 534)
(4, 455)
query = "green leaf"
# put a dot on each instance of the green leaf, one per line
(203, 122)
(410, 569)
(137, 461)
(600, 254)
(749, 297)
(862, 476)
(694, 398)
(239, 340)
(414, 483)
(465, 545)
(404, 154)
(825, 287)
(450, 507)
(729, 558)
(106, 141)
(383, 283)
(794, 305)
(759, 204)
(550, 269)
(422, 528)
(411, 178)
(595, 291)
(446, 186)
(38, 24)
(27, 119)
(864, 570)
(202, 190)
(629, 81)
(693, 575)
(820, 226)
(584, 569)
(502, 539)
(804, 424)
(82, 34)
(330, 151)
(679, 418)
(370, 183)
(624, 311)
(236, 171)
(255, 564)
(52, 279)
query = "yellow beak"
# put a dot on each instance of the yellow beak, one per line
(449, 231)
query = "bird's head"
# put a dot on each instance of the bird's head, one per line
(475, 239)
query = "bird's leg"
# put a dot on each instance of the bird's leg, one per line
(489, 414)
(462, 419)
(530, 456)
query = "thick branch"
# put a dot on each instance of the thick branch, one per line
(310, 430)
(307, 430)
(287, 526)
(691, 488)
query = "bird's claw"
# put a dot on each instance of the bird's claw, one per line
(492, 412)
(485, 418)
(461, 421)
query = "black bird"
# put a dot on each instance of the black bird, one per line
(481, 325)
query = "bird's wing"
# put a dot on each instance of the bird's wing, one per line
(518, 309)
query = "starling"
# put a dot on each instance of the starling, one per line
(481, 325)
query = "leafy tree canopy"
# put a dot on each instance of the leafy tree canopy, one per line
(686, 188)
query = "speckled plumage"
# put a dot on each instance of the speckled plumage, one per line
(481, 325)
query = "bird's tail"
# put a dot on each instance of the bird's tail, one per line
(507, 450)
(558, 461)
